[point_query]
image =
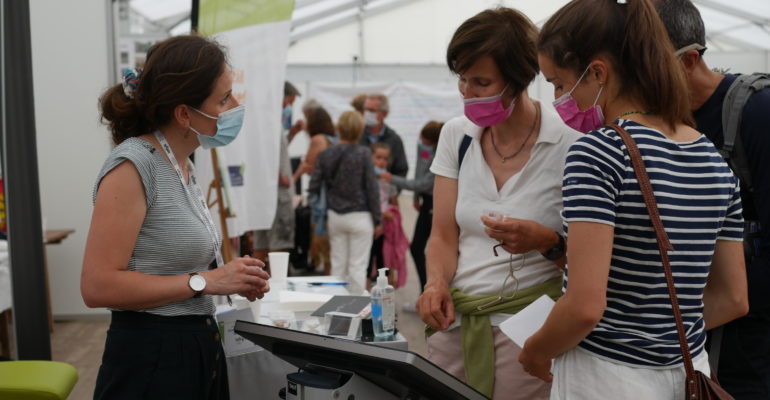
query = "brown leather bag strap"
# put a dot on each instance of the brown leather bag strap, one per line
(664, 246)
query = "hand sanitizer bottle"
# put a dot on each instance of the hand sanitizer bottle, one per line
(383, 308)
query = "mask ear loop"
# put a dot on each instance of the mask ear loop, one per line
(204, 114)
(189, 127)
(578, 81)
(601, 87)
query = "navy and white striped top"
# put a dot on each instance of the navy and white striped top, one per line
(173, 239)
(699, 203)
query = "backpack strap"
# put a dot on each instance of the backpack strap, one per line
(732, 113)
(466, 142)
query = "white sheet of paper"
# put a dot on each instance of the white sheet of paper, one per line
(526, 322)
(302, 301)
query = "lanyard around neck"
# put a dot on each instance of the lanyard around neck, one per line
(203, 210)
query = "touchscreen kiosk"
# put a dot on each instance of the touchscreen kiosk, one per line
(376, 372)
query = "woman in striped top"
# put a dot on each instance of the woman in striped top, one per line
(152, 238)
(613, 333)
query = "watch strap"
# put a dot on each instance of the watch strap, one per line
(556, 252)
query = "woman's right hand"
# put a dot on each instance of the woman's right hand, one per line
(435, 306)
(241, 275)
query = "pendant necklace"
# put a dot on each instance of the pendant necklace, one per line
(531, 131)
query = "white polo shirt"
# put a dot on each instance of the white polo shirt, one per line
(534, 193)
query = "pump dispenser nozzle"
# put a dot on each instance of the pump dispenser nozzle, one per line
(382, 278)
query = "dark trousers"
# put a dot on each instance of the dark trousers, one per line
(420, 238)
(154, 357)
(744, 359)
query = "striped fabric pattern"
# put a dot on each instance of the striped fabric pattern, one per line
(173, 239)
(699, 203)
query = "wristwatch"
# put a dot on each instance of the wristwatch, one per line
(555, 252)
(197, 283)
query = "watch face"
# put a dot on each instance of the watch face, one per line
(197, 283)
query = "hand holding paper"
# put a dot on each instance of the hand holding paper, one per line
(526, 322)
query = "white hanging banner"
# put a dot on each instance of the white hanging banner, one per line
(249, 165)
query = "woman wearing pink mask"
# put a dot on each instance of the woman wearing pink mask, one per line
(496, 243)
(613, 334)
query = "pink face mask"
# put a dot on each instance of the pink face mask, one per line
(488, 111)
(583, 121)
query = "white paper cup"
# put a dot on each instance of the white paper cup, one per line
(239, 302)
(279, 268)
(256, 307)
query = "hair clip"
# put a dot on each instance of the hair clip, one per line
(622, 1)
(130, 81)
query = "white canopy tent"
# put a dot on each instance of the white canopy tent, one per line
(416, 31)
(365, 42)
(342, 47)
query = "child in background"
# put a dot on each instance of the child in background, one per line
(422, 186)
(388, 192)
(389, 250)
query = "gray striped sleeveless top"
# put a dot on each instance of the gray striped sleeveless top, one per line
(173, 239)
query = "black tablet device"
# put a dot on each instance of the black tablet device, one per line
(404, 374)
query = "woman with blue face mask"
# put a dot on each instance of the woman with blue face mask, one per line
(495, 244)
(152, 237)
(612, 63)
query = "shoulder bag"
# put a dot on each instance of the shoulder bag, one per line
(697, 385)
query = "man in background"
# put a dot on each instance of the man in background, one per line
(376, 109)
(743, 365)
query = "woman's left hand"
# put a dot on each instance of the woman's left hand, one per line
(518, 236)
(534, 364)
(256, 293)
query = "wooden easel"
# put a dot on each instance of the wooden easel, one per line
(216, 184)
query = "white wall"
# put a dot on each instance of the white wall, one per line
(70, 70)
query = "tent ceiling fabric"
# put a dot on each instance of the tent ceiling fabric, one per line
(731, 25)
(741, 24)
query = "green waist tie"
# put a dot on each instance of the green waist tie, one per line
(476, 330)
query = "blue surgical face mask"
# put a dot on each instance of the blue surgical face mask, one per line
(228, 126)
(378, 171)
(424, 147)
